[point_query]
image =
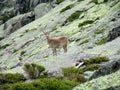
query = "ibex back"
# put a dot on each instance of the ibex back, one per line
(57, 42)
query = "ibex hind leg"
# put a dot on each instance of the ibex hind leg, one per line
(54, 52)
(65, 48)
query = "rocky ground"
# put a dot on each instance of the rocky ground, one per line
(92, 27)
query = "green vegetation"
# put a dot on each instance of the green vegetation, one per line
(79, 0)
(5, 18)
(71, 70)
(105, 0)
(22, 53)
(95, 1)
(74, 16)
(99, 31)
(78, 39)
(96, 60)
(91, 67)
(11, 78)
(59, 1)
(66, 8)
(94, 63)
(74, 74)
(44, 84)
(102, 41)
(85, 23)
(85, 41)
(34, 71)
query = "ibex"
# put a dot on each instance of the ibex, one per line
(57, 42)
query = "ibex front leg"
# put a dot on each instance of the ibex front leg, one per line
(65, 48)
(54, 51)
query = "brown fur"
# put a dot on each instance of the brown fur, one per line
(57, 42)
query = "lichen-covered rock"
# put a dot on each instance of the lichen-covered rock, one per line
(28, 44)
(42, 9)
(106, 69)
(102, 83)
(114, 33)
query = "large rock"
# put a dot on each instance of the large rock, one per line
(114, 33)
(17, 22)
(27, 5)
(42, 9)
(106, 69)
(11, 8)
(108, 82)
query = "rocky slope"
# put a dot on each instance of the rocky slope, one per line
(92, 26)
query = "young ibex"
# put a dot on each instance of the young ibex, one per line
(57, 42)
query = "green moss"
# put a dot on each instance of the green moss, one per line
(85, 41)
(12, 78)
(22, 53)
(74, 16)
(79, 0)
(85, 23)
(95, 1)
(78, 39)
(15, 50)
(91, 67)
(44, 84)
(102, 41)
(96, 60)
(99, 31)
(33, 70)
(105, 0)
(66, 8)
(59, 1)
(71, 70)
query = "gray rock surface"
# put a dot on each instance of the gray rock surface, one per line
(17, 22)
(106, 69)
(42, 9)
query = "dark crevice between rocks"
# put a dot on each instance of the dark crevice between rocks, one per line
(27, 43)
(18, 64)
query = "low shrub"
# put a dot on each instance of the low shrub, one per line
(91, 67)
(102, 41)
(96, 60)
(11, 78)
(44, 84)
(33, 70)
(71, 70)
(77, 78)
(73, 74)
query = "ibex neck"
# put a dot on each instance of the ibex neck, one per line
(48, 39)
